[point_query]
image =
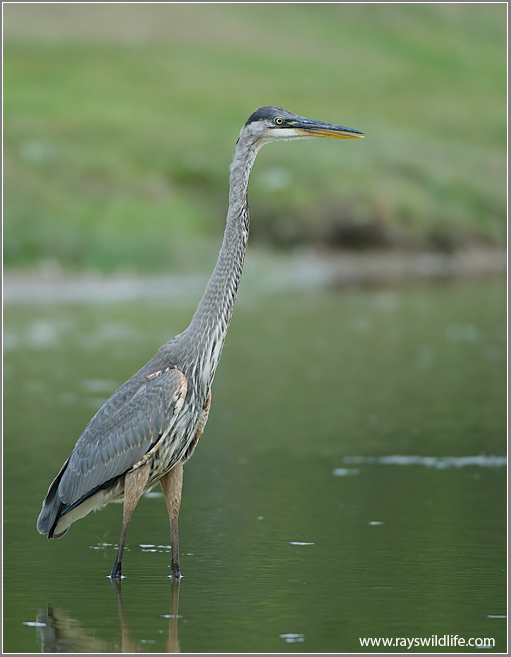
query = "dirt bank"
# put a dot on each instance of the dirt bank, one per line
(263, 272)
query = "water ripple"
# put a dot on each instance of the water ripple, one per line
(437, 462)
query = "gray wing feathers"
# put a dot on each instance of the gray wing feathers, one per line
(122, 431)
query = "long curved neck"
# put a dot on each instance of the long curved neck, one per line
(205, 336)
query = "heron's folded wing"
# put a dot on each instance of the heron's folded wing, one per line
(136, 417)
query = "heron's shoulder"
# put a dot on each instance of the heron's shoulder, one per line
(158, 379)
(172, 354)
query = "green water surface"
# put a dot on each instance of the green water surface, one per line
(351, 481)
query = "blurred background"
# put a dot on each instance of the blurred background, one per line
(120, 122)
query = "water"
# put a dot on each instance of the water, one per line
(351, 481)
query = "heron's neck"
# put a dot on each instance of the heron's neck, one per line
(206, 334)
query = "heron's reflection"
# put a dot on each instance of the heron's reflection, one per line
(59, 632)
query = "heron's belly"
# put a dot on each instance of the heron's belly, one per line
(113, 494)
(181, 442)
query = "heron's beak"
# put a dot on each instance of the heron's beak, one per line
(310, 128)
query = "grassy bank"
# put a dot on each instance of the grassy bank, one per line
(120, 123)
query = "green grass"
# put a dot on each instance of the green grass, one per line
(120, 123)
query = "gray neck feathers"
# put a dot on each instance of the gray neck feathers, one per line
(204, 338)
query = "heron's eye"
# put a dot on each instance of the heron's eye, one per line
(278, 120)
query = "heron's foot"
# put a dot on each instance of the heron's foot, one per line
(116, 571)
(175, 572)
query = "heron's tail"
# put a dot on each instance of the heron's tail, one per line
(52, 507)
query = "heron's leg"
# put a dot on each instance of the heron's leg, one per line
(134, 485)
(172, 484)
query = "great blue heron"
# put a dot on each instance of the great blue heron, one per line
(151, 425)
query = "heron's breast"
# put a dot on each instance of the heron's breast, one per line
(182, 438)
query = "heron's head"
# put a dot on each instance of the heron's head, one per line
(273, 123)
